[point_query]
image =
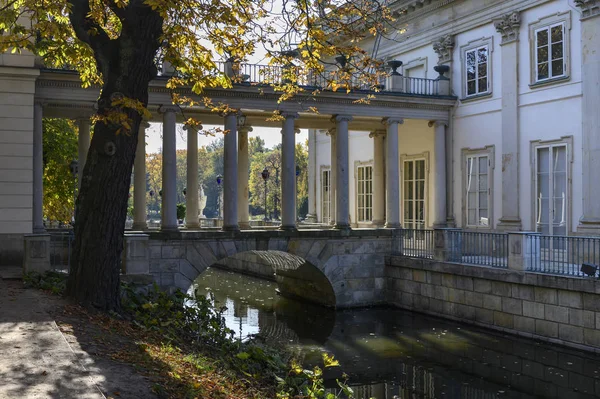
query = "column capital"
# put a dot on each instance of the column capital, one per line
(163, 109)
(443, 47)
(331, 132)
(289, 114)
(192, 127)
(144, 125)
(389, 121)
(378, 133)
(508, 27)
(340, 118)
(437, 123)
(245, 129)
(589, 8)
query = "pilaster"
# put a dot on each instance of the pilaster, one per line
(589, 223)
(508, 26)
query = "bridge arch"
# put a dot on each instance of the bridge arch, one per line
(321, 266)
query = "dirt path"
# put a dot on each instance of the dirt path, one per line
(40, 360)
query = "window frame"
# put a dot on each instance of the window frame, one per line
(535, 145)
(489, 152)
(546, 23)
(474, 45)
(364, 165)
(325, 169)
(424, 156)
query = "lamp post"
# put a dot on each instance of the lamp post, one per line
(297, 202)
(74, 167)
(219, 181)
(265, 176)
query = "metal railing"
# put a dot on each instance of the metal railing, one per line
(561, 254)
(417, 243)
(257, 74)
(477, 248)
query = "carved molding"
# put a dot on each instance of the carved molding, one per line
(378, 133)
(508, 27)
(443, 48)
(589, 8)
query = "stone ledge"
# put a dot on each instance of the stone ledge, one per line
(266, 234)
(504, 275)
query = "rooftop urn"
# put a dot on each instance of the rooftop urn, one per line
(394, 64)
(442, 69)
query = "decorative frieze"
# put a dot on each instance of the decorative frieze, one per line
(443, 48)
(589, 8)
(508, 27)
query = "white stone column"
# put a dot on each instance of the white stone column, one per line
(392, 176)
(191, 196)
(589, 223)
(38, 170)
(83, 146)
(139, 180)
(332, 133)
(169, 169)
(230, 181)
(508, 27)
(439, 175)
(288, 172)
(342, 211)
(243, 177)
(378, 137)
(312, 176)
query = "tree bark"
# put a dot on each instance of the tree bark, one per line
(127, 65)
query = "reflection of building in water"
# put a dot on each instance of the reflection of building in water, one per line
(416, 382)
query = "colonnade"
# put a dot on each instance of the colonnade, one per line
(386, 194)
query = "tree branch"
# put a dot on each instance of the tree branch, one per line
(89, 31)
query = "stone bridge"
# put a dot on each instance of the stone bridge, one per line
(334, 268)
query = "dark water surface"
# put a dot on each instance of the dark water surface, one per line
(390, 353)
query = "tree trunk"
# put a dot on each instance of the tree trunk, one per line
(127, 65)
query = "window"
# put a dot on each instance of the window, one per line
(549, 40)
(477, 67)
(549, 52)
(415, 182)
(326, 196)
(478, 190)
(477, 187)
(364, 193)
(551, 189)
(477, 71)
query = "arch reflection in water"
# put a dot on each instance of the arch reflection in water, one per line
(391, 353)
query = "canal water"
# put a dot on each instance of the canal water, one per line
(390, 353)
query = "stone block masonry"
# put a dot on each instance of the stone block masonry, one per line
(557, 309)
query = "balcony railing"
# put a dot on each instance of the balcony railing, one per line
(477, 248)
(417, 243)
(256, 74)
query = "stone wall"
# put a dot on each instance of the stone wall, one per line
(558, 309)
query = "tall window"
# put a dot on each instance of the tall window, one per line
(551, 203)
(414, 194)
(364, 193)
(477, 69)
(478, 190)
(550, 52)
(326, 196)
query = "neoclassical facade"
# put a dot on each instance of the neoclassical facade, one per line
(521, 150)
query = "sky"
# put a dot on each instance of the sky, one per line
(271, 136)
